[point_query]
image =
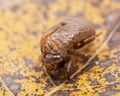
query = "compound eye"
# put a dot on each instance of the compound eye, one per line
(49, 56)
(56, 57)
(53, 58)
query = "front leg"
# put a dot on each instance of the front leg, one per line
(78, 53)
(68, 69)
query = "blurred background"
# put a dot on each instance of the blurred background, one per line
(22, 24)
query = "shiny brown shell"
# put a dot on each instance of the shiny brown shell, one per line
(69, 34)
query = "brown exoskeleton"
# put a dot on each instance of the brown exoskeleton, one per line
(63, 41)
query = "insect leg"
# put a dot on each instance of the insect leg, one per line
(49, 76)
(68, 69)
(89, 39)
(78, 53)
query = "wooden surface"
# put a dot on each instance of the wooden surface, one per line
(21, 27)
